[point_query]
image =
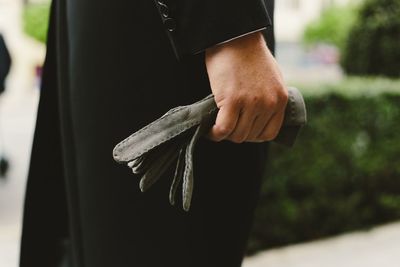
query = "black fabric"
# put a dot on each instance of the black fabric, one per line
(45, 212)
(5, 63)
(200, 24)
(110, 69)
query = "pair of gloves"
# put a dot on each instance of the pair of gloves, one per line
(172, 138)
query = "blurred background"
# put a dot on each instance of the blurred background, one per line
(332, 200)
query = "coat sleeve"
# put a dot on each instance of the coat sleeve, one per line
(194, 25)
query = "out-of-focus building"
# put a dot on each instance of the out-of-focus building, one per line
(292, 16)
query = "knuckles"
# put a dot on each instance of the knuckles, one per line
(236, 101)
(283, 96)
(280, 98)
(274, 99)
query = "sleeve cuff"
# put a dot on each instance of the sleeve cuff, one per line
(195, 25)
(231, 39)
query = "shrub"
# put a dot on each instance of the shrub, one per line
(35, 20)
(372, 46)
(343, 173)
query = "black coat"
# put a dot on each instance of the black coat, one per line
(5, 63)
(112, 67)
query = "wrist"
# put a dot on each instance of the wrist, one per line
(247, 42)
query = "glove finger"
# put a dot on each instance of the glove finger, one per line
(188, 172)
(158, 167)
(295, 113)
(142, 164)
(170, 125)
(137, 164)
(187, 186)
(178, 175)
(295, 118)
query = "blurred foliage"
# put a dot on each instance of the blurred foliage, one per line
(353, 87)
(372, 46)
(332, 27)
(36, 19)
(343, 173)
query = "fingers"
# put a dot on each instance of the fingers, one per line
(225, 122)
(258, 126)
(243, 128)
(271, 129)
(241, 131)
(254, 122)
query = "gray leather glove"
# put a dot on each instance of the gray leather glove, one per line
(172, 138)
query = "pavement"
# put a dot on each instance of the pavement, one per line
(379, 247)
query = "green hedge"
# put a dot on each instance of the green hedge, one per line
(372, 46)
(343, 173)
(35, 21)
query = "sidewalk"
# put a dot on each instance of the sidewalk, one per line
(379, 247)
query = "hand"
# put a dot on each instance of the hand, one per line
(248, 89)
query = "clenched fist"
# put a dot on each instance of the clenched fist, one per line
(248, 89)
